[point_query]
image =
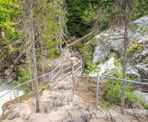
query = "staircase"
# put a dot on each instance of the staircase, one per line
(61, 105)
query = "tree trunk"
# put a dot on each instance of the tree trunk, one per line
(32, 43)
(43, 68)
(125, 53)
(60, 26)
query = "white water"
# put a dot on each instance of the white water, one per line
(105, 67)
(4, 88)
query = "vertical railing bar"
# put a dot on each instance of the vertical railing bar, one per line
(11, 95)
(18, 97)
(81, 67)
(73, 80)
(97, 91)
(49, 76)
(14, 94)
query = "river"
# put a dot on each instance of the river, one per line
(4, 88)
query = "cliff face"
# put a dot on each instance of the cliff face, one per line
(111, 41)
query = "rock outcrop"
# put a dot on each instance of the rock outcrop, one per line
(112, 41)
(60, 105)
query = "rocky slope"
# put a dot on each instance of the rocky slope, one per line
(60, 105)
(111, 41)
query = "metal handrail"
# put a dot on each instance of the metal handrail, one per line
(66, 63)
(41, 77)
(55, 68)
(66, 69)
(15, 88)
(56, 74)
(77, 69)
(77, 63)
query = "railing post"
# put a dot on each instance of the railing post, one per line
(73, 78)
(18, 97)
(14, 94)
(81, 66)
(97, 91)
(11, 95)
(49, 76)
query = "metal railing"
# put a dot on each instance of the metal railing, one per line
(52, 77)
(99, 80)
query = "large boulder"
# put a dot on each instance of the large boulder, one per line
(112, 41)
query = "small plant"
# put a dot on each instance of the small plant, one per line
(134, 48)
(92, 67)
(106, 117)
(42, 88)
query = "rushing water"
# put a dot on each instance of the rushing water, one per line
(4, 88)
(107, 66)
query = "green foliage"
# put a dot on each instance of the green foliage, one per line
(92, 67)
(142, 9)
(107, 105)
(10, 11)
(42, 88)
(23, 77)
(134, 48)
(113, 90)
(80, 14)
(47, 25)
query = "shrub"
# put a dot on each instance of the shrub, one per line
(92, 67)
(113, 90)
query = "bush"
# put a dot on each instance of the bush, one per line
(113, 90)
(92, 67)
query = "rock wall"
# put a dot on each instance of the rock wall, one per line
(112, 41)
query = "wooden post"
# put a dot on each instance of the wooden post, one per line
(97, 91)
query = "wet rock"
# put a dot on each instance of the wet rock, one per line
(141, 56)
(143, 71)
